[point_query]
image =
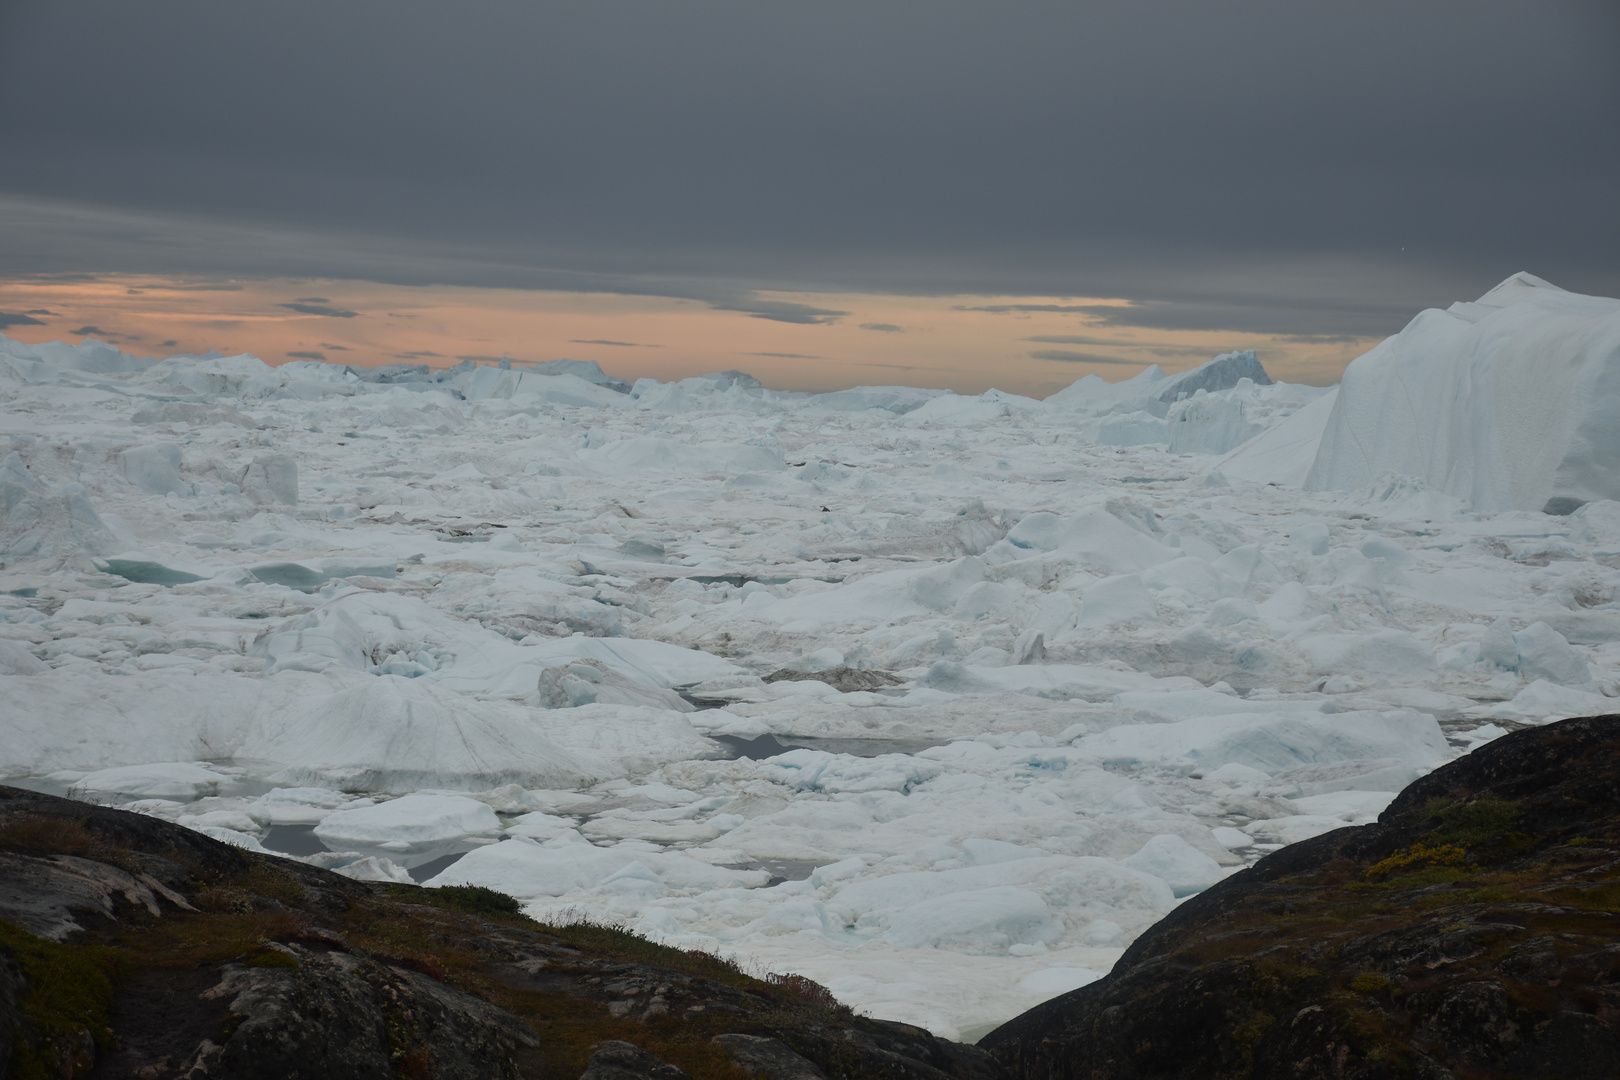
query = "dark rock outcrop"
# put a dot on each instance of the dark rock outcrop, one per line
(1473, 932)
(132, 947)
(619, 1060)
(770, 1059)
(296, 1012)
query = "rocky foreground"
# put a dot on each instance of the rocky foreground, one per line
(1473, 932)
(131, 947)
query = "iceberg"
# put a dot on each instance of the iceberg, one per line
(1511, 402)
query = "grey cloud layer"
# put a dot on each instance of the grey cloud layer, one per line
(321, 308)
(1179, 152)
(1069, 356)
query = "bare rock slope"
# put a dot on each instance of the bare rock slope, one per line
(131, 947)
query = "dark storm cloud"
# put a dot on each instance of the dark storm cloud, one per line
(96, 331)
(1069, 357)
(1154, 347)
(307, 355)
(39, 311)
(1322, 339)
(1255, 160)
(1330, 320)
(782, 311)
(321, 309)
(883, 327)
(1173, 351)
(1022, 309)
(18, 320)
(206, 286)
(1078, 339)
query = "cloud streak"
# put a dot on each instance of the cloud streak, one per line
(786, 311)
(1067, 356)
(304, 308)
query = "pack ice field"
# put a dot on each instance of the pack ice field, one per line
(938, 700)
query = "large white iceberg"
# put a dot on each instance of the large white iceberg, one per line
(1511, 402)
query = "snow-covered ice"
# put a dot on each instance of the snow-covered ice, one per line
(937, 699)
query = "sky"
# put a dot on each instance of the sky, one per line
(934, 192)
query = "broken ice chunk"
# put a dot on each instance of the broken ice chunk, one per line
(174, 779)
(1177, 863)
(413, 829)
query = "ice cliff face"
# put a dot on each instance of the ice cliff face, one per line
(1507, 402)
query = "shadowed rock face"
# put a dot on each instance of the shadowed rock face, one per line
(1471, 933)
(132, 947)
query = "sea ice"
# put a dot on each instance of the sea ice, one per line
(1177, 863)
(412, 829)
(1009, 677)
(183, 779)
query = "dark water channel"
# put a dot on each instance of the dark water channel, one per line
(780, 869)
(761, 747)
(295, 840)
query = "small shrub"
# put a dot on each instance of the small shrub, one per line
(1417, 856)
(273, 882)
(1370, 983)
(427, 965)
(267, 958)
(49, 836)
(1484, 822)
(807, 989)
(226, 900)
(473, 899)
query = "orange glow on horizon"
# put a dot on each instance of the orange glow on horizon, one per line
(948, 342)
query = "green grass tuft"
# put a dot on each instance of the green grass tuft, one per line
(67, 1002)
(473, 899)
(267, 958)
(1484, 822)
(1370, 983)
